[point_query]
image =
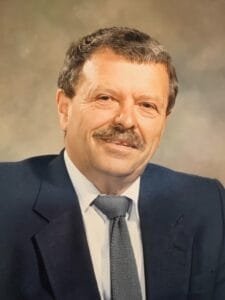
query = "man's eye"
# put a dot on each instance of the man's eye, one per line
(105, 101)
(104, 97)
(148, 105)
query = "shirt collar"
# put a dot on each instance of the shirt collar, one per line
(87, 192)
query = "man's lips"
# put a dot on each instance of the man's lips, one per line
(120, 143)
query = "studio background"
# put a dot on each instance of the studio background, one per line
(34, 36)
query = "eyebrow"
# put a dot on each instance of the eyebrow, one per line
(103, 89)
(141, 96)
(149, 96)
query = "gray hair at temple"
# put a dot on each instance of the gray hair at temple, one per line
(132, 44)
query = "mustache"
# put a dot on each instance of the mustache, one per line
(119, 133)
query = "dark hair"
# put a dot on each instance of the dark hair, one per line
(132, 44)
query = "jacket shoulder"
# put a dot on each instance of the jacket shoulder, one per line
(174, 175)
(192, 189)
(32, 164)
(17, 177)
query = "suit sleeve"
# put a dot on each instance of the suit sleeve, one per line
(219, 292)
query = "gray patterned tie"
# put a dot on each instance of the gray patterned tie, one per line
(123, 271)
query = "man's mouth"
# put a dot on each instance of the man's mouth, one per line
(121, 143)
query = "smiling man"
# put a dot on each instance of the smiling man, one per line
(114, 122)
(98, 221)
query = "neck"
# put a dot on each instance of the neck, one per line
(107, 182)
(110, 185)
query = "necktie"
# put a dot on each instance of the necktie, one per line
(123, 271)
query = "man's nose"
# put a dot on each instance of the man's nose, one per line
(126, 115)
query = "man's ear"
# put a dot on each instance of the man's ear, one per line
(63, 105)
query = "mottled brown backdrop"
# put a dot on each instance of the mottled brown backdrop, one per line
(35, 34)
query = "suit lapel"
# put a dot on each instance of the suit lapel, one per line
(167, 242)
(63, 247)
(62, 242)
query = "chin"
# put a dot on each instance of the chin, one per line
(118, 170)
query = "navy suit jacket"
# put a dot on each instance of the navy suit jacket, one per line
(43, 247)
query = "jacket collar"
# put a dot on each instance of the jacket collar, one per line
(62, 242)
(167, 241)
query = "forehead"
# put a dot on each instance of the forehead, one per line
(104, 66)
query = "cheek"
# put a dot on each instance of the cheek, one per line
(96, 119)
(84, 124)
(153, 131)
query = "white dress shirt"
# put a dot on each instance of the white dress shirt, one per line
(97, 228)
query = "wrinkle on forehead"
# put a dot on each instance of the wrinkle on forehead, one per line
(103, 71)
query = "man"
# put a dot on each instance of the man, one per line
(115, 91)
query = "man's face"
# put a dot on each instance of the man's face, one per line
(114, 122)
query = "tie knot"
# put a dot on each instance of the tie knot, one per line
(112, 206)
